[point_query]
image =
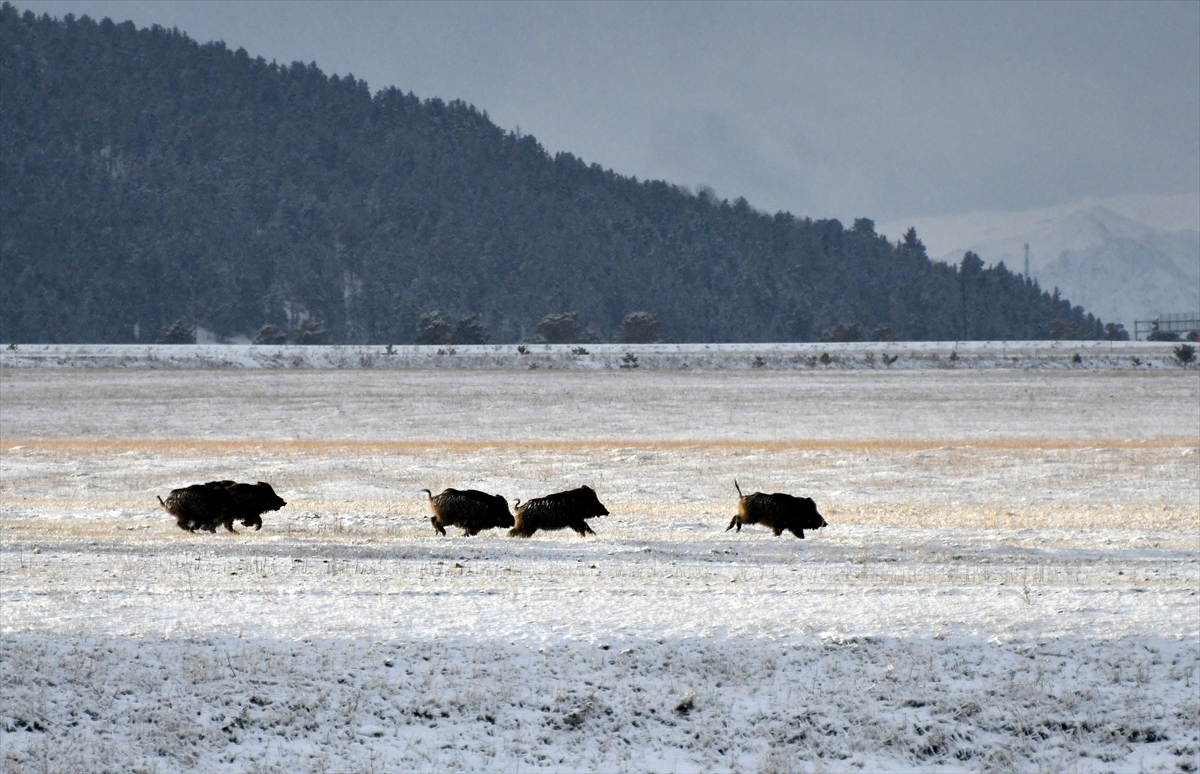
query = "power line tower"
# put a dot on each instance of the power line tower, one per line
(1026, 261)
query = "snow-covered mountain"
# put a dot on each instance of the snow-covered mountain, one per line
(1121, 259)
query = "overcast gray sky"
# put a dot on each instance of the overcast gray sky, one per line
(839, 110)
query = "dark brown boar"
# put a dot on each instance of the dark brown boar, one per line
(777, 512)
(253, 500)
(558, 511)
(470, 510)
(214, 503)
(201, 506)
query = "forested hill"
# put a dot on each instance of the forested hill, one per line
(147, 178)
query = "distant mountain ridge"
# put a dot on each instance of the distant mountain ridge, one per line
(1119, 267)
(145, 178)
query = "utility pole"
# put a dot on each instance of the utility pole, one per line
(1026, 261)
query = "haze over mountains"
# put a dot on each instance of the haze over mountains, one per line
(147, 178)
(1124, 259)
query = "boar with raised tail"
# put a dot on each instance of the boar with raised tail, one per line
(470, 510)
(777, 512)
(559, 511)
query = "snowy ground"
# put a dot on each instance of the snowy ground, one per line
(1009, 579)
(898, 356)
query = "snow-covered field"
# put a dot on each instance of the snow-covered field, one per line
(898, 356)
(1009, 579)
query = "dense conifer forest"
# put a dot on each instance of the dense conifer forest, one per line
(149, 179)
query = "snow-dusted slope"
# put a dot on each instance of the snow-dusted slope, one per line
(1121, 259)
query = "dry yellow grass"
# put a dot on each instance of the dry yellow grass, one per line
(631, 521)
(204, 446)
(1177, 527)
(655, 486)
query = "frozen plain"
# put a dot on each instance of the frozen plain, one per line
(1009, 579)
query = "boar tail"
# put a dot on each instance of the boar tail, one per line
(426, 491)
(735, 486)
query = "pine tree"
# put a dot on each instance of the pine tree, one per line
(177, 333)
(469, 330)
(558, 328)
(311, 333)
(270, 334)
(640, 328)
(433, 329)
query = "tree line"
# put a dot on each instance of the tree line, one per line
(149, 180)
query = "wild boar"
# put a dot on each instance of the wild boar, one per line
(558, 511)
(213, 503)
(470, 510)
(201, 506)
(253, 500)
(777, 512)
